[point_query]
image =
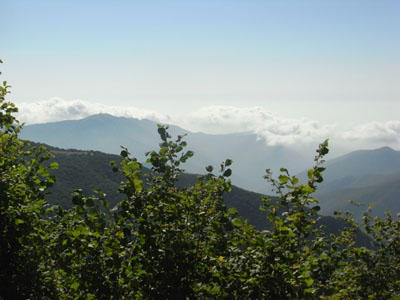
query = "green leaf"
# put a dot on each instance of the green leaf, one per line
(232, 211)
(309, 281)
(283, 178)
(124, 153)
(138, 184)
(237, 222)
(227, 173)
(162, 133)
(308, 189)
(141, 272)
(119, 234)
(209, 169)
(18, 221)
(228, 162)
(316, 208)
(163, 150)
(75, 286)
(109, 251)
(53, 165)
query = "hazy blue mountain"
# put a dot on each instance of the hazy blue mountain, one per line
(384, 193)
(100, 132)
(349, 168)
(364, 176)
(107, 133)
(363, 162)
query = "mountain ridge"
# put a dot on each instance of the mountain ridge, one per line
(91, 170)
(108, 133)
(347, 177)
(362, 176)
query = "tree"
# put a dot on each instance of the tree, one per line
(23, 183)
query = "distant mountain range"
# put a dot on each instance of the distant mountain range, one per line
(106, 133)
(365, 176)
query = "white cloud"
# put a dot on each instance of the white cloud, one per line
(270, 127)
(375, 132)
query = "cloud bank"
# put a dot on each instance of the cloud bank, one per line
(375, 132)
(272, 128)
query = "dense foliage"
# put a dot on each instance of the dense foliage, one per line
(168, 241)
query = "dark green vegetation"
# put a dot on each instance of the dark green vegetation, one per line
(90, 170)
(169, 241)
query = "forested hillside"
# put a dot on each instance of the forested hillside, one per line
(91, 170)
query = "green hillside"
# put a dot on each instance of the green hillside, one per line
(91, 170)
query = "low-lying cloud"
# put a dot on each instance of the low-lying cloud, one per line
(375, 132)
(272, 128)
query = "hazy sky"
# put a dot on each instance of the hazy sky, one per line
(267, 66)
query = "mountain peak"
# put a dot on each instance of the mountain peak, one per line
(385, 149)
(101, 116)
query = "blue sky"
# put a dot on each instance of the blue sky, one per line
(335, 62)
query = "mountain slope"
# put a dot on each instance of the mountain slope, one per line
(384, 193)
(107, 133)
(363, 162)
(365, 176)
(91, 170)
(88, 170)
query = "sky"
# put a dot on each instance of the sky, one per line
(291, 71)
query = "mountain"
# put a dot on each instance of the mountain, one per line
(106, 133)
(384, 194)
(91, 170)
(364, 176)
(100, 132)
(362, 163)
